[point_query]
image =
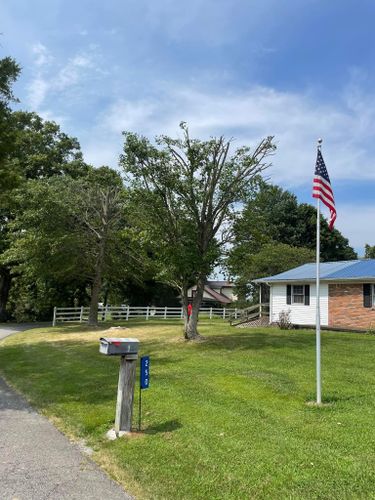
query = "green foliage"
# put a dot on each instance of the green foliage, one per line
(273, 214)
(41, 150)
(9, 72)
(30, 148)
(67, 233)
(9, 175)
(186, 195)
(273, 258)
(369, 251)
(276, 233)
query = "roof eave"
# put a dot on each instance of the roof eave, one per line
(364, 279)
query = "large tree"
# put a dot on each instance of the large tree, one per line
(273, 218)
(39, 150)
(189, 193)
(71, 231)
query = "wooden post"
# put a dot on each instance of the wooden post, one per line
(54, 317)
(147, 312)
(260, 301)
(223, 312)
(81, 315)
(165, 312)
(127, 313)
(210, 312)
(235, 313)
(125, 393)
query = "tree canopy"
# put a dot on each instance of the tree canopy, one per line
(188, 195)
(369, 251)
(274, 219)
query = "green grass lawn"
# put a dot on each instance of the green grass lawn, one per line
(226, 418)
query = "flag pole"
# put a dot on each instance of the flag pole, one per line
(318, 361)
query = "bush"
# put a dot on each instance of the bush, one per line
(284, 322)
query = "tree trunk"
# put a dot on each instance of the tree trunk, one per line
(191, 331)
(96, 286)
(95, 293)
(185, 302)
(5, 283)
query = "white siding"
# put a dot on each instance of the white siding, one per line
(228, 292)
(299, 313)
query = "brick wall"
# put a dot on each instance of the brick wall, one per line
(345, 307)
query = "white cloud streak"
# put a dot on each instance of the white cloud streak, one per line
(295, 120)
(53, 80)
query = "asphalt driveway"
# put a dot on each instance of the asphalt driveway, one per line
(37, 461)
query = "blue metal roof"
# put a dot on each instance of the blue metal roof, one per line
(336, 271)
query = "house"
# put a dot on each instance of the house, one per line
(216, 294)
(347, 294)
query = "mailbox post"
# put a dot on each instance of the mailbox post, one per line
(127, 348)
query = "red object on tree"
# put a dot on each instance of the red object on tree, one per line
(189, 310)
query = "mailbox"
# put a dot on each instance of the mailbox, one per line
(119, 347)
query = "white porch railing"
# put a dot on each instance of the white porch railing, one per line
(111, 313)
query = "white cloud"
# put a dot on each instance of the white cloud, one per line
(37, 92)
(41, 54)
(127, 115)
(73, 71)
(296, 120)
(52, 80)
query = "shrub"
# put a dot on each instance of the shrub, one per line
(284, 322)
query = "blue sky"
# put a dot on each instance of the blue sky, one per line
(298, 70)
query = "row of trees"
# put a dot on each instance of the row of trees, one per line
(176, 209)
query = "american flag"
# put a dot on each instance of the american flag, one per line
(322, 188)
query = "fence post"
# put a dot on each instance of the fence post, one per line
(235, 313)
(182, 313)
(54, 317)
(147, 312)
(210, 312)
(127, 313)
(223, 312)
(165, 312)
(81, 315)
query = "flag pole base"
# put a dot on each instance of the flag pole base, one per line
(313, 404)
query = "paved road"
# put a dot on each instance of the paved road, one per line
(7, 329)
(37, 462)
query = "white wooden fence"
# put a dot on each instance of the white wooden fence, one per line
(110, 313)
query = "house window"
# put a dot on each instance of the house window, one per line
(369, 295)
(298, 294)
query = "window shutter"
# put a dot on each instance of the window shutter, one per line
(288, 294)
(307, 295)
(367, 299)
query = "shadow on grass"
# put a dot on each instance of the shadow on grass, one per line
(132, 323)
(65, 372)
(259, 340)
(169, 426)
